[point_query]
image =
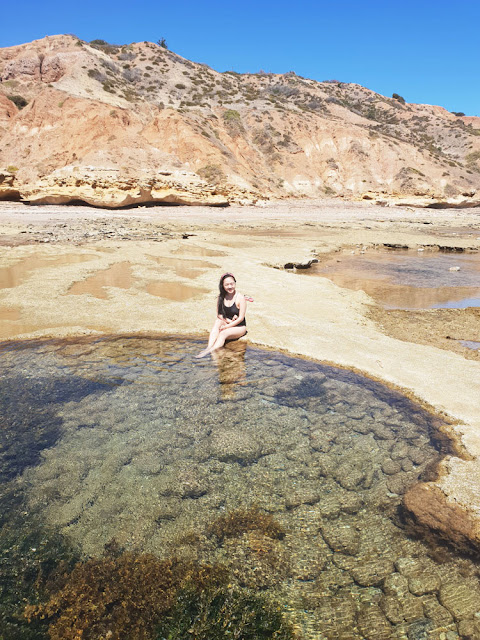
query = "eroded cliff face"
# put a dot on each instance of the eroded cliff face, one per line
(133, 115)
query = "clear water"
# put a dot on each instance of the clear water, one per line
(135, 440)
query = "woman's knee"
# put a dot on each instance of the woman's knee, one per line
(234, 333)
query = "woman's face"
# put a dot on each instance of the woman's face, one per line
(229, 285)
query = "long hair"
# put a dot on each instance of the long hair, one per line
(222, 293)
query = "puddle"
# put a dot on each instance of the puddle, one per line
(175, 291)
(463, 303)
(193, 250)
(9, 314)
(286, 473)
(408, 279)
(470, 344)
(119, 275)
(19, 272)
(11, 323)
(185, 268)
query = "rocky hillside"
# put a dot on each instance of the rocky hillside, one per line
(119, 125)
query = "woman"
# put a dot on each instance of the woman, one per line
(230, 323)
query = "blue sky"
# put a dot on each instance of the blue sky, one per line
(427, 51)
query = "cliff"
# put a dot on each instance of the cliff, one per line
(119, 125)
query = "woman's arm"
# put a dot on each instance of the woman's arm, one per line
(242, 308)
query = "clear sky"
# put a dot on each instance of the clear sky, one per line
(428, 51)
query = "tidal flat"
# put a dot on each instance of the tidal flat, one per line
(64, 264)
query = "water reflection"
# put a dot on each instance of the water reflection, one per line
(17, 273)
(408, 279)
(230, 362)
(119, 275)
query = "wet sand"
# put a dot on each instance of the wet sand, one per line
(62, 292)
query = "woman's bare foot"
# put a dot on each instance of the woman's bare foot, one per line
(203, 353)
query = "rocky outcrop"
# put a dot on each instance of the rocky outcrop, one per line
(27, 66)
(429, 509)
(468, 200)
(53, 68)
(111, 191)
(8, 187)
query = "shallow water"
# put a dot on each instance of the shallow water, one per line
(17, 273)
(119, 275)
(404, 279)
(133, 439)
(470, 344)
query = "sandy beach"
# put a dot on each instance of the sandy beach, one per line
(70, 271)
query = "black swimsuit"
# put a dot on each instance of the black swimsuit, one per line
(229, 312)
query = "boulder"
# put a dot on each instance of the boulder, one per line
(428, 508)
(8, 188)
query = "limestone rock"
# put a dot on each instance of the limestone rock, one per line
(461, 599)
(107, 189)
(370, 572)
(229, 445)
(428, 507)
(53, 68)
(8, 190)
(373, 624)
(341, 537)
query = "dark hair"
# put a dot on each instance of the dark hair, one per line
(223, 293)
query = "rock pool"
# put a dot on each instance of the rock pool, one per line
(285, 473)
(407, 279)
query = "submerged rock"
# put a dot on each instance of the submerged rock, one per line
(228, 445)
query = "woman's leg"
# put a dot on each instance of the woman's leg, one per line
(214, 332)
(228, 334)
(212, 338)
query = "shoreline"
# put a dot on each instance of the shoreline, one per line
(311, 318)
